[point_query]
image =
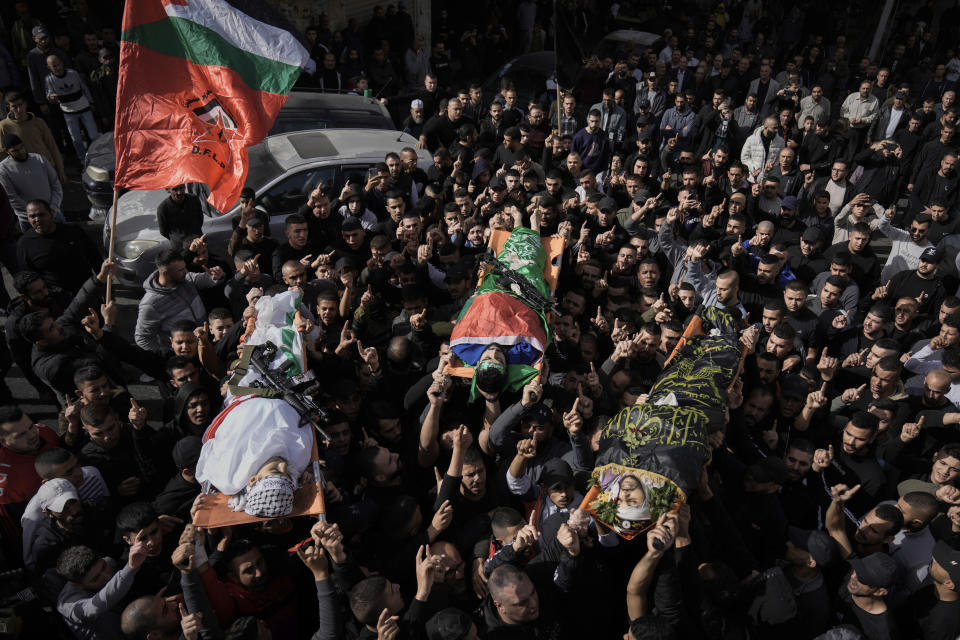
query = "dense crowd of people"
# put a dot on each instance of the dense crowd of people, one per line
(749, 161)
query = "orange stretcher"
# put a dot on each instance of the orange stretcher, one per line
(307, 501)
(552, 245)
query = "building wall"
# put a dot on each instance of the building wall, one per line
(302, 13)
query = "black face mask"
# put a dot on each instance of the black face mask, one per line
(490, 380)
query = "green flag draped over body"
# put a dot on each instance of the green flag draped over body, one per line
(498, 314)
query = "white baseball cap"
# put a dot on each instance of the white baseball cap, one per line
(55, 494)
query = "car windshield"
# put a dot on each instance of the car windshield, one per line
(263, 168)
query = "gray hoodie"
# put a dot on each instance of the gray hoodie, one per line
(160, 307)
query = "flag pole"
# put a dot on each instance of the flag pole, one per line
(113, 232)
(556, 61)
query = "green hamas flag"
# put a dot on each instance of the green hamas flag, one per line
(498, 314)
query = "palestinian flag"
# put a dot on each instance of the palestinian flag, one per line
(495, 314)
(200, 81)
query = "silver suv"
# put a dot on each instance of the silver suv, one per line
(284, 169)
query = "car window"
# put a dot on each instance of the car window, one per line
(292, 192)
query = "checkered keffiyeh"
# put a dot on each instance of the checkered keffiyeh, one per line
(270, 497)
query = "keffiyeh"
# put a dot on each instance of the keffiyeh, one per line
(270, 497)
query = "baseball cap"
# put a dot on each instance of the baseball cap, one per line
(449, 624)
(416, 104)
(497, 183)
(258, 218)
(247, 192)
(538, 413)
(39, 31)
(811, 235)
(554, 472)
(644, 134)
(931, 254)
(770, 469)
(346, 262)
(912, 485)
(54, 495)
(900, 94)
(876, 570)
(790, 202)
(794, 386)
(948, 558)
(642, 196)
(643, 104)
(817, 543)
(608, 205)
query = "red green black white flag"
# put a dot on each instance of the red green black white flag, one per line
(200, 81)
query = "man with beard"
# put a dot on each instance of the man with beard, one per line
(21, 440)
(806, 258)
(855, 465)
(920, 284)
(754, 415)
(789, 227)
(34, 295)
(65, 525)
(28, 176)
(62, 253)
(413, 124)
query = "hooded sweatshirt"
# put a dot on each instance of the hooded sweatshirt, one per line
(161, 306)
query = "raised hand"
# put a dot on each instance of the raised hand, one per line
(527, 448)
(568, 539)
(347, 339)
(949, 494)
(842, 493)
(91, 322)
(107, 270)
(315, 559)
(822, 458)
(532, 392)
(368, 298)
(852, 395)
(771, 437)
(323, 258)
(138, 550)
(387, 626)
(827, 366)
(370, 356)
(137, 414)
(418, 321)
(250, 268)
(817, 399)
(528, 535)
(191, 624)
(443, 517)
(600, 322)
(911, 430)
